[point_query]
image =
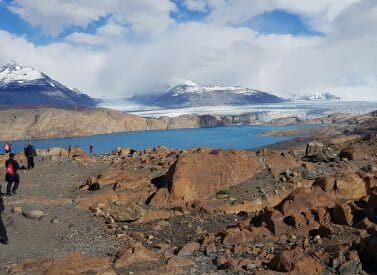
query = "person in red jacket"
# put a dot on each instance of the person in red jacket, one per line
(11, 175)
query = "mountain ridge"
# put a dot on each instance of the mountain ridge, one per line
(25, 86)
(312, 96)
(190, 94)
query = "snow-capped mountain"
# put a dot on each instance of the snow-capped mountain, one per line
(25, 86)
(312, 96)
(190, 94)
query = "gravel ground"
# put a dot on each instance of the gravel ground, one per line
(52, 186)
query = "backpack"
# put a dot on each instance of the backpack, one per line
(29, 151)
(10, 170)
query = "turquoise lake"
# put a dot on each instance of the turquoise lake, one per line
(232, 137)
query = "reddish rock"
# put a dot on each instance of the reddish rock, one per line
(246, 206)
(200, 175)
(278, 161)
(106, 197)
(304, 198)
(296, 220)
(74, 263)
(188, 249)
(161, 199)
(308, 265)
(350, 187)
(282, 262)
(135, 254)
(120, 179)
(322, 216)
(326, 183)
(342, 214)
(237, 235)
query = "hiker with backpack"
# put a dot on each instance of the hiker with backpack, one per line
(11, 175)
(3, 231)
(30, 153)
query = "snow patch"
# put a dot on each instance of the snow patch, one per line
(16, 73)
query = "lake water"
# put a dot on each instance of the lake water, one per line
(232, 137)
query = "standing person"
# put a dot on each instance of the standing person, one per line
(91, 149)
(3, 231)
(30, 153)
(11, 175)
(7, 147)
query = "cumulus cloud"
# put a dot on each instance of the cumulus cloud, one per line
(142, 16)
(139, 51)
(195, 5)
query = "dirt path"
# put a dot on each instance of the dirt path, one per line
(52, 186)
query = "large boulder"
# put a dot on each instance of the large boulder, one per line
(314, 148)
(350, 187)
(278, 161)
(200, 175)
(304, 198)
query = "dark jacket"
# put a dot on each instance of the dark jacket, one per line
(1, 204)
(29, 151)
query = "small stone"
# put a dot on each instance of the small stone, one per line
(251, 267)
(317, 239)
(124, 227)
(231, 199)
(55, 220)
(17, 210)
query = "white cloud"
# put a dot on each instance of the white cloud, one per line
(212, 52)
(196, 5)
(143, 16)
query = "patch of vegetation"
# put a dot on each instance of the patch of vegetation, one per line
(222, 194)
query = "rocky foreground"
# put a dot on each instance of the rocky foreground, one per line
(306, 210)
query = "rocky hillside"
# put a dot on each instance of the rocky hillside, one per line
(25, 123)
(191, 94)
(25, 86)
(197, 211)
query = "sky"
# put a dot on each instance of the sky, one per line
(119, 48)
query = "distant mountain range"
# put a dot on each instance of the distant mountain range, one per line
(190, 94)
(25, 86)
(312, 96)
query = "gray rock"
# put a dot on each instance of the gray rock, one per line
(125, 212)
(314, 148)
(33, 214)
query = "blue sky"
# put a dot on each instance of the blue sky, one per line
(119, 48)
(275, 21)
